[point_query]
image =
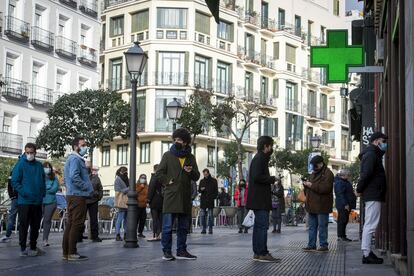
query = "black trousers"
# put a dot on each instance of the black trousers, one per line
(142, 219)
(343, 218)
(93, 219)
(156, 221)
(29, 215)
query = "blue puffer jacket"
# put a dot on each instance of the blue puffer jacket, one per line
(28, 179)
(344, 194)
(52, 186)
(77, 177)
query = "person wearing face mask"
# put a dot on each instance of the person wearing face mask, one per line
(121, 187)
(345, 201)
(142, 192)
(28, 179)
(92, 204)
(176, 170)
(259, 198)
(208, 190)
(319, 201)
(78, 189)
(49, 201)
(372, 187)
(240, 197)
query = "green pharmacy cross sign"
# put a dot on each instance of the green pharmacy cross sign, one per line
(337, 56)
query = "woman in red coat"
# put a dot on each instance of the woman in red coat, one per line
(240, 197)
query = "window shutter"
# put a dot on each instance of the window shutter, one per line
(230, 78)
(276, 124)
(139, 21)
(276, 50)
(111, 27)
(231, 31)
(290, 54)
(276, 88)
(202, 23)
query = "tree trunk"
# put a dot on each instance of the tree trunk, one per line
(91, 149)
(240, 159)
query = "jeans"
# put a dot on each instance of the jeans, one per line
(156, 221)
(48, 211)
(121, 217)
(372, 217)
(343, 218)
(142, 219)
(93, 219)
(182, 229)
(260, 227)
(241, 213)
(11, 220)
(277, 218)
(29, 215)
(75, 224)
(203, 216)
(318, 222)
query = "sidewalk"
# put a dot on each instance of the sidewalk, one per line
(224, 253)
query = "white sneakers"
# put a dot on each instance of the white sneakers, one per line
(5, 239)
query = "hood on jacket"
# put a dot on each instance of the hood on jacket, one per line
(371, 148)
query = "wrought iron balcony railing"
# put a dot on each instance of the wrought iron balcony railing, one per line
(11, 143)
(89, 7)
(87, 56)
(41, 96)
(17, 29)
(69, 3)
(171, 78)
(66, 47)
(14, 89)
(43, 39)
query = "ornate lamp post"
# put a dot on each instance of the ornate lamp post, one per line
(136, 59)
(315, 142)
(174, 110)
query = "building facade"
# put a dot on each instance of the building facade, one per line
(258, 52)
(47, 48)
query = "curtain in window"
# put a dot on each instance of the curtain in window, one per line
(172, 18)
(117, 26)
(225, 31)
(202, 23)
(139, 21)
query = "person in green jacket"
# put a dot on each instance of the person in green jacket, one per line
(49, 201)
(177, 169)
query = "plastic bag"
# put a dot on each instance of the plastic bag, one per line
(249, 219)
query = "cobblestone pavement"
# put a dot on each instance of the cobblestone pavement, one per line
(224, 253)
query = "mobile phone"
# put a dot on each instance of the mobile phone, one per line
(304, 179)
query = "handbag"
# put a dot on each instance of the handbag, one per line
(302, 196)
(121, 200)
(249, 219)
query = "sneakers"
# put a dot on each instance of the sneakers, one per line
(323, 249)
(268, 258)
(65, 257)
(210, 232)
(274, 231)
(140, 235)
(278, 231)
(240, 231)
(246, 231)
(204, 232)
(372, 259)
(168, 257)
(118, 238)
(5, 239)
(24, 253)
(35, 253)
(46, 243)
(309, 249)
(76, 258)
(97, 240)
(185, 256)
(345, 239)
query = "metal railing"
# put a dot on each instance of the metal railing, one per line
(171, 78)
(89, 7)
(143, 80)
(15, 89)
(248, 55)
(163, 125)
(292, 105)
(252, 17)
(228, 4)
(312, 76)
(109, 3)
(70, 3)
(12, 143)
(87, 56)
(17, 28)
(203, 82)
(66, 47)
(268, 24)
(114, 84)
(323, 113)
(43, 38)
(267, 61)
(224, 88)
(40, 95)
(247, 94)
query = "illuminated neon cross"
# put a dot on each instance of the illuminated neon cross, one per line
(337, 56)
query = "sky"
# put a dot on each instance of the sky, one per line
(353, 5)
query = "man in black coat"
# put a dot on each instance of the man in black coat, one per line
(372, 187)
(155, 200)
(209, 192)
(259, 198)
(92, 204)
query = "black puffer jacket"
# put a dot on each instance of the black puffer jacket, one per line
(154, 197)
(209, 190)
(372, 181)
(259, 196)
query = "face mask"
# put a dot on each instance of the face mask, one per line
(142, 180)
(47, 171)
(178, 146)
(83, 151)
(30, 157)
(383, 146)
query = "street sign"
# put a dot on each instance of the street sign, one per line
(337, 56)
(226, 183)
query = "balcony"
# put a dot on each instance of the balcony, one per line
(312, 76)
(292, 105)
(143, 81)
(89, 7)
(163, 125)
(65, 47)
(114, 84)
(43, 39)
(268, 26)
(228, 4)
(41, 96)
(203, 82)
(14, 89)
(268, 102)
(252, 19)
(109, 3)
(87, 56)
(225, 88)
(11, 143)
(17, 29)
(268, 63)
(251, 57)
(69, 3)
(290, 28)
(171, 79)
(331, 151)
(247, 94)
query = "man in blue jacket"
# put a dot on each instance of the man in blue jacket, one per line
(345, 201)
(78, 189)
(28, 179)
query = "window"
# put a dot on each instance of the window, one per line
(171, 68)
(84, 35)
(225, 31)
(298, 25)
(265, 15)
(12, 8)
(64, 26)
(292, 96)
(169, 18)
(139, 21)
(223, 77)
(83, 83)
(331, 139)
(141, 104)
(336, 7)
(106, 156)
(310, 23)
(312, 103)
(35, 125)
(7, 122)
(290, 54)
(9, 68)
(116, 26)
(324, 138)
(249, 45)
(281, 19)
(323, 34)
(210, 156)
(163, 97)
(116, 74)
(202, 23)
(249, 6)
(122, 154)
(275, 88)
(276, 50)
(264, 89)
(202, 74)
(294, 131)
(268, 126)
(165, 146)
(145, 153)
(35, 74)
(324, 106)
(248, 83)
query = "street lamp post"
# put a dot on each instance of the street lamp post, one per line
(174, 110)
(136, 59)
(315, 144)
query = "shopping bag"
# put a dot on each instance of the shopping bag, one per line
(302, 196)
(249, 219)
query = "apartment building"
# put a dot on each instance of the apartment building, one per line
(47, 48)
(258, 52)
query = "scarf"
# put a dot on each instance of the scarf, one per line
(180, 153)
(125, 179)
